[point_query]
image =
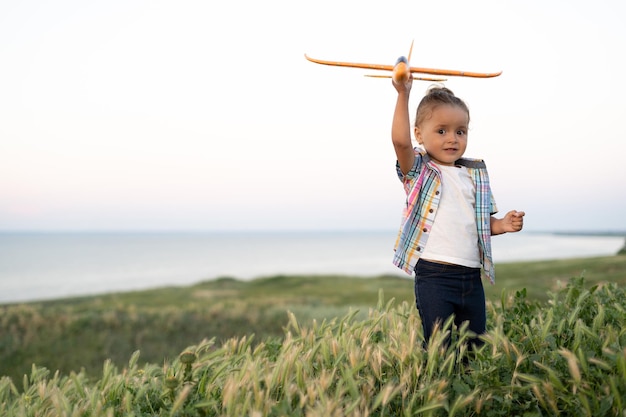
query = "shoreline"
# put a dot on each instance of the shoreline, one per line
(53, 266)
(508, 265)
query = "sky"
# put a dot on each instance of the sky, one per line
(196, 115)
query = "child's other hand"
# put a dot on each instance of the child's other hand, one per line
(513, 221)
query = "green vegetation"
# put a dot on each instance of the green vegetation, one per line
(542, 277)
(73, 334)
(322, 346)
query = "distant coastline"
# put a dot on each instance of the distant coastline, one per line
(611, 233)
(605, 233)
(36, 265)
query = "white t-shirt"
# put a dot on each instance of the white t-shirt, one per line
(454, 237)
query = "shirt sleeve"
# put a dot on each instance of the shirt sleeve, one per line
(494, 207)
(414, 172)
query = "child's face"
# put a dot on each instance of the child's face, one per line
(444, 134)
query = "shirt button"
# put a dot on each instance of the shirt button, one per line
(425, 230)
(436, 192)
(431, 210)
(419, 248)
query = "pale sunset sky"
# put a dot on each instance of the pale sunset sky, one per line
(204, 115)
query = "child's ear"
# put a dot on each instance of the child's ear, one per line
(418, 135)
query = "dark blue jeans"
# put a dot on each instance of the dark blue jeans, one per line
(443, 290)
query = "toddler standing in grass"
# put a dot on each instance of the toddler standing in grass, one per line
(445, 237)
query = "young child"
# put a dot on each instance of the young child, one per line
(447, 223)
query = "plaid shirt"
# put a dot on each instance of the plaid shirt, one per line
(422, 185)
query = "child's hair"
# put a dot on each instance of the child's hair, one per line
(435, 96)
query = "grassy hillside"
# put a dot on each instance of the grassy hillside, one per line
(541, 277)
(81, 333)
(563, 357)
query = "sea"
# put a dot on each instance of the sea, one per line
(44, 266)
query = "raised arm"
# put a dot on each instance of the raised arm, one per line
(401, 127)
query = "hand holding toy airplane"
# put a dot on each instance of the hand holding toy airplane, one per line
(401, 70)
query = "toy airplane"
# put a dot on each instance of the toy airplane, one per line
(401, 70)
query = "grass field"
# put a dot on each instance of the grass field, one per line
(79, 335)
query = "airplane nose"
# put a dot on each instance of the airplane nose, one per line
(402, 59)
(401, 71)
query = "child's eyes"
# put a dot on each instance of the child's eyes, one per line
(458, 132)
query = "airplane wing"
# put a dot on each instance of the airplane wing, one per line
(454, 73)
(351, 64)
(415, 78)
(431, 71)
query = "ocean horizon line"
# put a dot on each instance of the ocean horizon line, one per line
(54, 264)
(573, 232)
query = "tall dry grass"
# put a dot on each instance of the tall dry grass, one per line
(565, 357)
